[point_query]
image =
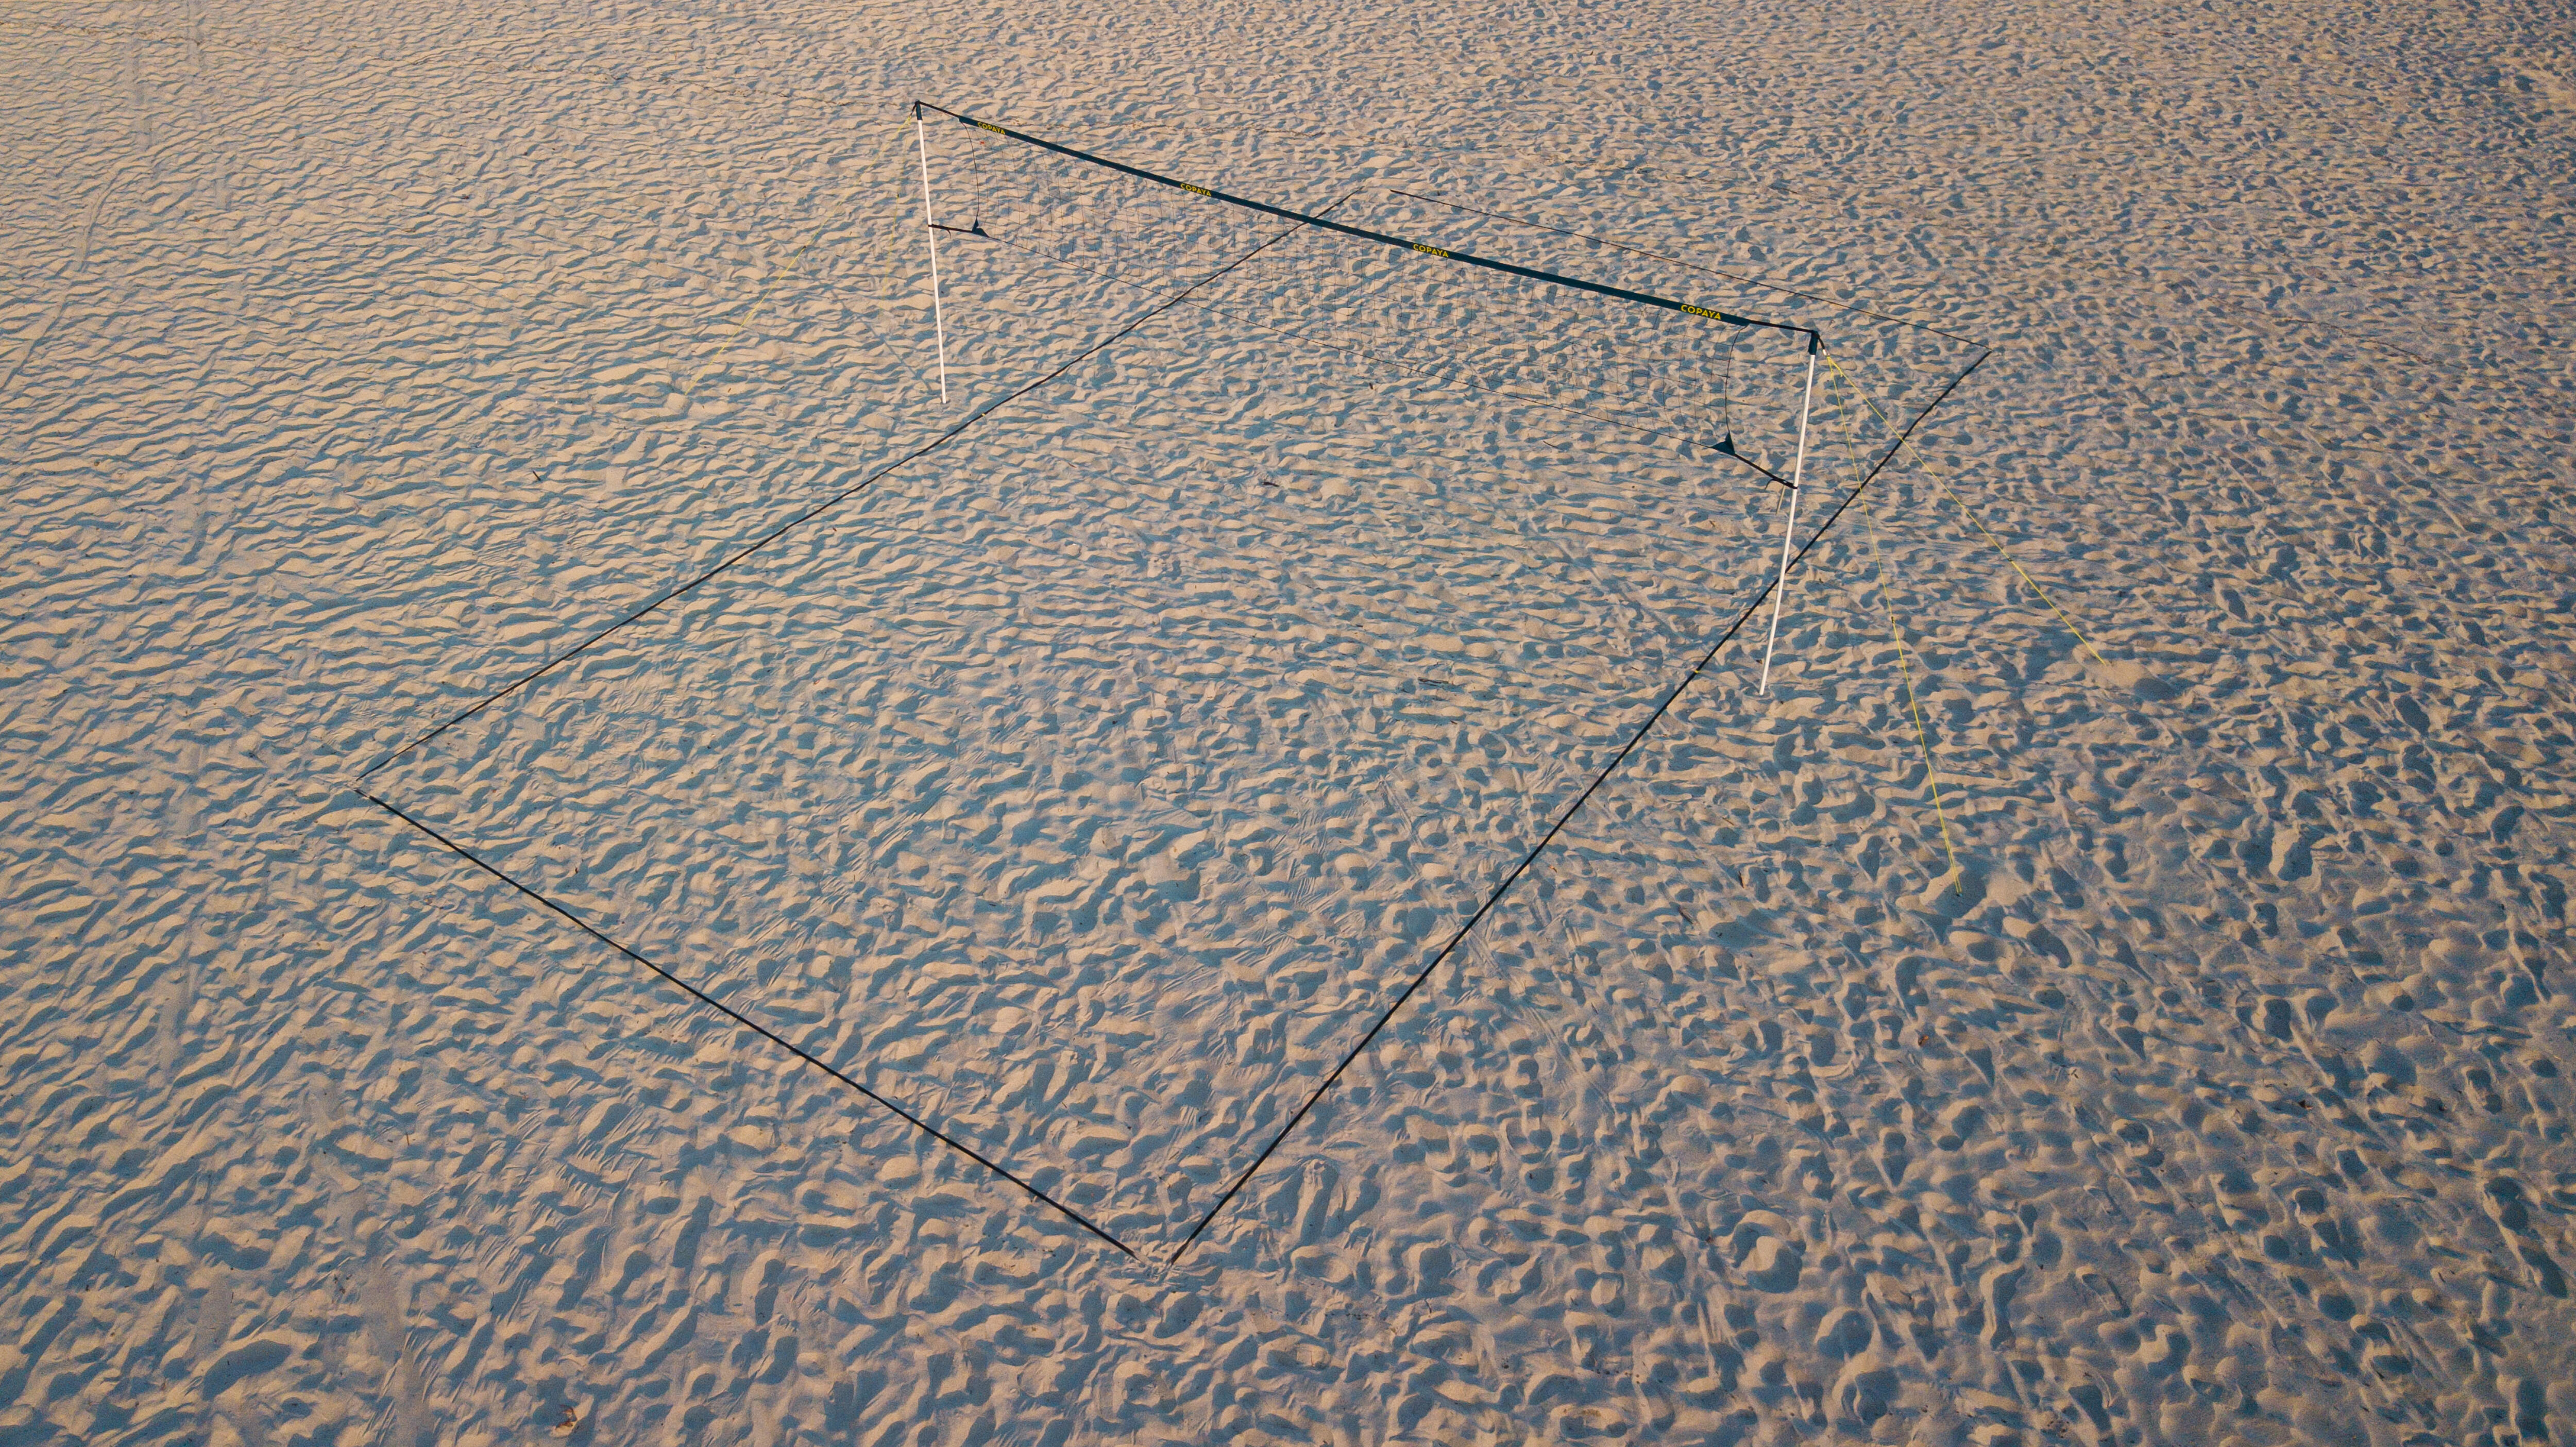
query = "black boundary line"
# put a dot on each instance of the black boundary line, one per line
(836, 499)
(773, 535)
(1302, 221)
(1692, 265)
(1311, 339)
(746, 1022)
(1563, 819)
(1264, 207)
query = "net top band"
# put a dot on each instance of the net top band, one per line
(1815, 339)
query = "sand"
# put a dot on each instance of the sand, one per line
(2110, 989)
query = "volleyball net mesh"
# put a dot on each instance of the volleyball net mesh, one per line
(1711, 374)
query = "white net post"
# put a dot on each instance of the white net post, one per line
(1789, 530)
(930, 228)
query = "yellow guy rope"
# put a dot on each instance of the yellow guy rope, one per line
(1887, 603)
(1973, 521)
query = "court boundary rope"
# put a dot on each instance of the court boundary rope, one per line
(358, 786)
(1300, 222)
(1530, 858)
(748, 1023)
(835, 500)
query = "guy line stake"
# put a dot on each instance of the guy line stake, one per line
(1789, 530)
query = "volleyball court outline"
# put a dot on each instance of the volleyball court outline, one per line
(1772, 590)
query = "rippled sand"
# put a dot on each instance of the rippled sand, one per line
(2109, 990)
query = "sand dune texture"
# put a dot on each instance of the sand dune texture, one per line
(2114, 987)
